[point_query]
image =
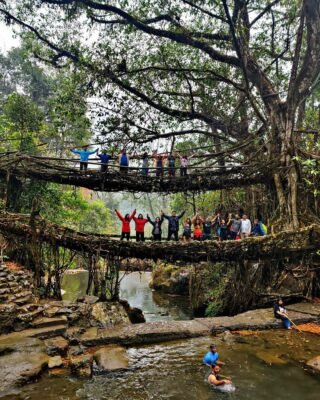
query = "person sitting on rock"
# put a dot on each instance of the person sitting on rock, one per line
(140, 223)
(215, 379)
(197, 227)
(156, 231)
(211, 358)
(125, 231)
(84, 156)
(173, 226)
(281, 313)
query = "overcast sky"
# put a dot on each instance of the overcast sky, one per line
(7, 40)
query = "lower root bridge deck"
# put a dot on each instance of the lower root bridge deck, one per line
(284, 244)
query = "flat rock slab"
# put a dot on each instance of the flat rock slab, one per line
(252, 320)
(21, 359)
(309, 308)
(152, 332)
(314, 363)
(155, 332)
(111, 358)
(55, 362)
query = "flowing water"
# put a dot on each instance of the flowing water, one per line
(174, 371)
(155, 306)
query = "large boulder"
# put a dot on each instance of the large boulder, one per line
(57, 346)
(81, 365)
(8, 314)
(111, 358)
(22, 359)
(171, 278)
(107, 314)
(74, 284)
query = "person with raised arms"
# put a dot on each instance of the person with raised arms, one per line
(140, 223)
(157, 230)
(84, 154)
(173, 224)
(125, 231)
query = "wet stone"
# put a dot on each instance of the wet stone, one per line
(81, 365)
(111, 358)
(55, 362)
(57, 346)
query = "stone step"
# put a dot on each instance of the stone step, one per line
(49, 322)
(46, 333)
(23, 300)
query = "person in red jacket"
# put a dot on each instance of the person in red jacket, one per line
(140, 223)
(125, 231)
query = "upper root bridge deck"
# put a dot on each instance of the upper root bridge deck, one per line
(284, 244)
(198, 179)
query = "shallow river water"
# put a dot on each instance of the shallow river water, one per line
(173, 370)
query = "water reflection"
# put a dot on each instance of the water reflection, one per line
(155, 306)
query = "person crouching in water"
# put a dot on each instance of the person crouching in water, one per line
(281, 313)
(140, 223)
(187, 229)
(125, 231)
(157, 230)
(197, 227)
(215, 379)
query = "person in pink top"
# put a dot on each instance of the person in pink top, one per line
(184, 162)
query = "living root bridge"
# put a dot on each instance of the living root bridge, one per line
(199, 179)
(284, 244)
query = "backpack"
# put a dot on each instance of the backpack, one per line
(264, 228)
(124, 160)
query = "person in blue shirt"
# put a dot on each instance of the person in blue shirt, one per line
(104, 158)
(84, 156)
(257, 229)
(211, 358)
(124, 162)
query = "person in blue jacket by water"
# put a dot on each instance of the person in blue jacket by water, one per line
(84, 154)
(212, 357)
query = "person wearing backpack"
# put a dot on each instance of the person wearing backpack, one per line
(257, 228)
(124, 162)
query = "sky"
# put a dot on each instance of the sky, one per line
(7, 39)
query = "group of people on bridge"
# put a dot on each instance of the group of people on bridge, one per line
(162, 162)
(233, 227)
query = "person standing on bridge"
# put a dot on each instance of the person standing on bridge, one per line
(245, 229)
(84, 156)
(197, 227)
(173, 224)
(124, 162)
(104, 158)
(235, 226)
(140, 223)
(156, 231)
(125, 231)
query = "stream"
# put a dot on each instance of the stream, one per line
(267, 365)
(156, 306)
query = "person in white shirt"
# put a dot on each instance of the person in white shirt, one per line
(245, 229)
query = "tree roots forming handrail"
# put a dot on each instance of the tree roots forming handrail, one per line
(198, 179)
(284, 244)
